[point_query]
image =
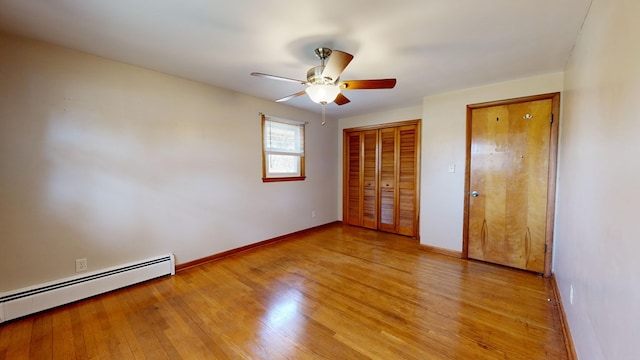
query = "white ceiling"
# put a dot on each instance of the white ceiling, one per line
(430, 46)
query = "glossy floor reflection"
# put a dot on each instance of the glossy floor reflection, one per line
(337, 293)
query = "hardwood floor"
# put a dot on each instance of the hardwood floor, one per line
(338, 293)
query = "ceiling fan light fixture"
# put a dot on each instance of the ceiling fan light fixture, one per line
(323, 85)
(323, 93)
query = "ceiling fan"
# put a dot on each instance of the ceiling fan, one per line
(323, 82)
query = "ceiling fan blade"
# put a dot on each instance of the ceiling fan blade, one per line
(278, 78)
(291, 96)
(368, 84)
(341, 100)
(338, 61)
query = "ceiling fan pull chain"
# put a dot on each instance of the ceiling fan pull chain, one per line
(323, 121)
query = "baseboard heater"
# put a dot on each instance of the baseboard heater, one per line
(22, 302)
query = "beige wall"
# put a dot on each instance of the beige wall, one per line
(444, 144)
(115, 163)
(597, 242)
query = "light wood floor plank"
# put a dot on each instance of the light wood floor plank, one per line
(339, 292)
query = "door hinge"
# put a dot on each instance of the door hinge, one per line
(545, 248)
(551, 119)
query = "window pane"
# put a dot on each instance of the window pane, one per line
(284, 138)
(283, 165)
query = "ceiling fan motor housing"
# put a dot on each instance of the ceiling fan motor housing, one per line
(314, 77)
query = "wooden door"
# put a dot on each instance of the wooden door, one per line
(353, 179)
(380, 188)
(508, 184)
(370, 179)
(406, 179)
(388, 162)
(362, 178)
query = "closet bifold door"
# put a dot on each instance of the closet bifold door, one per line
(361, 207)
(370, 179)
(388, 170)
(398, 164)
(380, 177)
(407, 138)
(352, 206)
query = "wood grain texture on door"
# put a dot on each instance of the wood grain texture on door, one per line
(370, 179)
(387, 179)
(508, 183)
(407, 177)
(381, 177)
(354, 179)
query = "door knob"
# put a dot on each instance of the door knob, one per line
(474, 194)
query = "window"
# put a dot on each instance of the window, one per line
(282, 149)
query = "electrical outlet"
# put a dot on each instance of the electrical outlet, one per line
(313, 213)
(81, 265)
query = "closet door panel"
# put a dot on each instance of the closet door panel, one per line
(407, 165)
(387, 179)
(370, 179)
(353, 207)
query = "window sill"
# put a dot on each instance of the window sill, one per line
(278, 179)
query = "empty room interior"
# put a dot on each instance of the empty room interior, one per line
(319, 180)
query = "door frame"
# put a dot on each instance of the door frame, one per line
(551, 189)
